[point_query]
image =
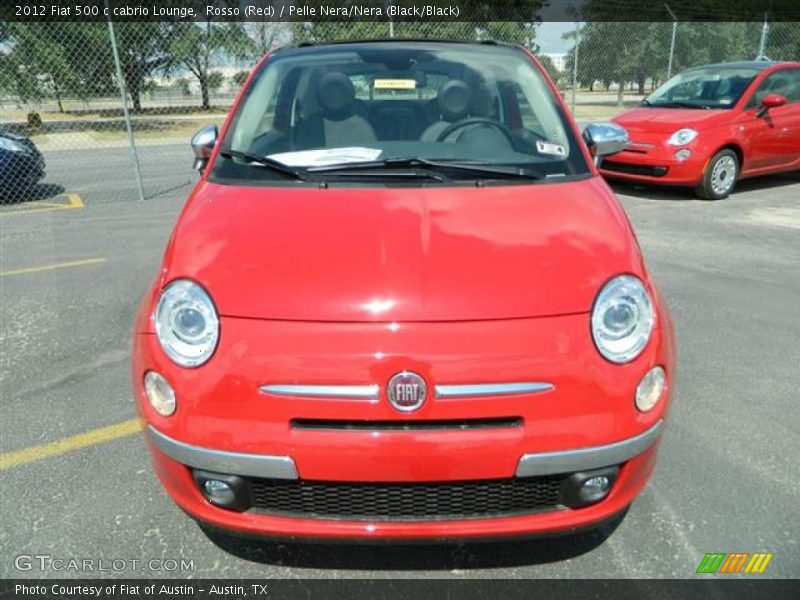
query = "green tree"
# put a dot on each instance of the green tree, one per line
(784, 41)
(240, 77)
(143, 51)
(621, 53)
(550, 67)
(265, 36)
(51, 59)
(215, 80)
(522, 33)
(704, 43)
(196, 46)
(183, 85)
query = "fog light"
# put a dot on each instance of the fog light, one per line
(595, 488)
(588, 487)
(650, 389)
(160, 393)
(225, 491)
(683, 154)
(218, 491)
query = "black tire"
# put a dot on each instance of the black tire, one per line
(720, 176)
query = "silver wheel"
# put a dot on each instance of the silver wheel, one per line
(723, 175)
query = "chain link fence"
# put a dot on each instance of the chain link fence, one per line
(107, 110)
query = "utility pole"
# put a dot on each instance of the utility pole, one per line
(124, 97)
(672, 44)
(762, 45)
(573, 101)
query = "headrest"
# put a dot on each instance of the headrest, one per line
(336, 96)
(480, 104)
(453, 99)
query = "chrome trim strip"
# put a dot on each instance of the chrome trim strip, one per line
(594, 457)
(359, 392)
(230, 463)
(477, 390)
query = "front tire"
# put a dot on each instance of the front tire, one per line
(720, 176)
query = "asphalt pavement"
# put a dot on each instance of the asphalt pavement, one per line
(71, 276)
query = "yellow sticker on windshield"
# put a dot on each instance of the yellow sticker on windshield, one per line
(395, 84)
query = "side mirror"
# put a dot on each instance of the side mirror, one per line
(203, 145)
(604, 139)
(770, 101)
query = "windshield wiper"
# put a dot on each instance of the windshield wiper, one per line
(679, 104)
(462, 167)
(263, 161)
(415, 174)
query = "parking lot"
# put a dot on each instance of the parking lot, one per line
(77, 481)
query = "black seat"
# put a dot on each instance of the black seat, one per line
(453, 101)
(338, 122)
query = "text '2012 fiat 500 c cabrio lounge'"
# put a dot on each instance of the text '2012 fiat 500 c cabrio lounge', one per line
(402, 303)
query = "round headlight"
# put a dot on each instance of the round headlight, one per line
(682, 137)
(186, 323)
(622, 319)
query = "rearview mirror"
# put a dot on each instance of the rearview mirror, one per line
(203, 145)
(771, 101)
(604, 139)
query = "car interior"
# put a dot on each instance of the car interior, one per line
(412, 108)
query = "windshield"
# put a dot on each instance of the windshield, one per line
(710, 87)
(313, 109)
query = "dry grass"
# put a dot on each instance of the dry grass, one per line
(588, 112)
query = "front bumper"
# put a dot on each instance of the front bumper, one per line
(232, 420)
(283, 467)
(648, 158)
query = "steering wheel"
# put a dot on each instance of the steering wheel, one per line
(476, 121)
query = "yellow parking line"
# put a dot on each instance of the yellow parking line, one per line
(73, 201)
(30, 454)
(53, 267)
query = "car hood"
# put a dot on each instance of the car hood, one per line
(402, 254)
(669, 120)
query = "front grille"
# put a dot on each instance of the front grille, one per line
(406, 425)
(478, 499)
(631, 169)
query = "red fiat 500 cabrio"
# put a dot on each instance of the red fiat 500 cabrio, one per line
(710, 126)
(402, 303)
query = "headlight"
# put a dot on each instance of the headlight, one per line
(622, 319)
(682, 137)
(186, 323)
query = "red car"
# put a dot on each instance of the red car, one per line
(402, 303)
(711, 126)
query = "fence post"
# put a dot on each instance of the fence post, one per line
(672, 43)
(762, 45)
(573, 101)
(124, 98)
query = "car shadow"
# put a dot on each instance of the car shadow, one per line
(683, 194)
(40, 191)
(404, 556)
(44, 191)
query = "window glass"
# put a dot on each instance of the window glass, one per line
(785, 82)
(707, 87)
(373, 101)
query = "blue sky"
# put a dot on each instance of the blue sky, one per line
(548, 36)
